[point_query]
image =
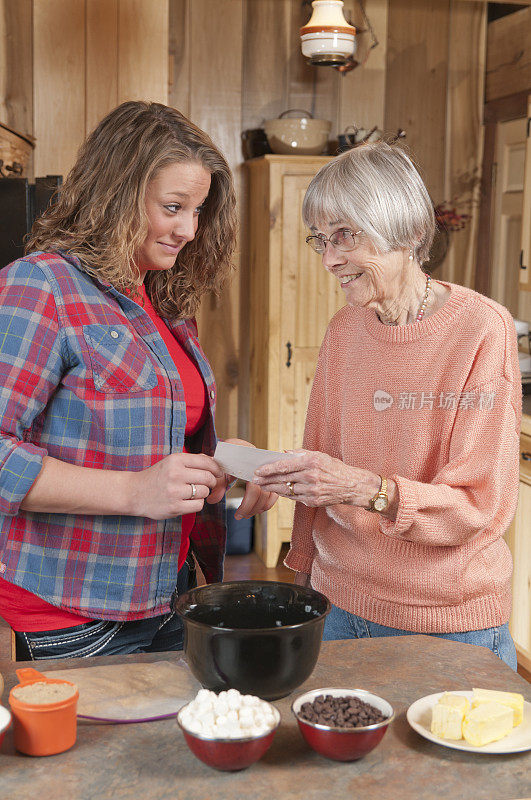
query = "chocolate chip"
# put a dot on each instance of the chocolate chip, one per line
(340, 712)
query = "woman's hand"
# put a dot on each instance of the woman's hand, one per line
(317, 479)
(302, 579)
(165, 489)
(255, 500)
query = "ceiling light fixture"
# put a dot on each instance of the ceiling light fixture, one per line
(328, 40)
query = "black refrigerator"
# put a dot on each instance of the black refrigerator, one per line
(20, 203)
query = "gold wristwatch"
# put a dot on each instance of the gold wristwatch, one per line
(380, 501)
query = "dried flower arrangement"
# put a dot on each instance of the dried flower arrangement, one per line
(448, 218)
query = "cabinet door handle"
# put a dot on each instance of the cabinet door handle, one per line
(288, 362)
(526, 456)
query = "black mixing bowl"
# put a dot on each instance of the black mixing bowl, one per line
(260, 637)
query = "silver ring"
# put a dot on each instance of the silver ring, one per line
(289, 484)
(194, 491)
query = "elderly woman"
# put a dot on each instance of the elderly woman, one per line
(409, 475)
(106, 397)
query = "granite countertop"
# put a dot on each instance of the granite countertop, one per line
(151, 760)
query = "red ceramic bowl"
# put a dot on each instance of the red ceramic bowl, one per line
(229, 754)
(5, 722)
(343, 744)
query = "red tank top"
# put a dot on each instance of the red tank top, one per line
(25, 611)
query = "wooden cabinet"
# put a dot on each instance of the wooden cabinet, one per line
(292, 299)
(518, 538)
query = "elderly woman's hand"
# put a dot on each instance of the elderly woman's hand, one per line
(302, 579)
(255, 500)
(317, 479)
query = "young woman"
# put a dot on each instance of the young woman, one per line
(106, 398)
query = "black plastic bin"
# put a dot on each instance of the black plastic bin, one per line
(239, 531)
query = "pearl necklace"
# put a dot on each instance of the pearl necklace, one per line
(422, 308)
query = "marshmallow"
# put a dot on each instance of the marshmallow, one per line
(228, 715)
(249, 700)
(205, 694)
(194, 726)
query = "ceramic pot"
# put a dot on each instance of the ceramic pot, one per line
(302, 136)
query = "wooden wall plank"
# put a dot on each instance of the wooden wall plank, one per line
(215, 105)
(266, 31)
(102, 60)
(464, 134)
(143, 50)
(16, 65)
(361, 95)
(415, 97)
(58, 83)
(179, 64)
(216, 72)
(509, 55)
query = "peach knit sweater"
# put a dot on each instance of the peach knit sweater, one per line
(436, 406)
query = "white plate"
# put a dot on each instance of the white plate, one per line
(419, 717)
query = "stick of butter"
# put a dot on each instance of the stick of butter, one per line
(511, 699)
(487, 723)
(447, 716)
(456, 700)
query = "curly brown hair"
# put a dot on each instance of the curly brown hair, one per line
(99, 213)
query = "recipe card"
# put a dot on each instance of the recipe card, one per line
(241, 461)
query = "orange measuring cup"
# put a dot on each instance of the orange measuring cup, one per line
(43, 729)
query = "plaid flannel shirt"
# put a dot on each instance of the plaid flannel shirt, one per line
(85, 377)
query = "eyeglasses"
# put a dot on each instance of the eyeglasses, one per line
(343, 239)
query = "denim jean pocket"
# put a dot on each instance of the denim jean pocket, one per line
(80, 641)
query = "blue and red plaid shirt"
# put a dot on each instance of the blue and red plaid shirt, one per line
(85, 377)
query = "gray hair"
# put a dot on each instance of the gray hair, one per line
(374, 187)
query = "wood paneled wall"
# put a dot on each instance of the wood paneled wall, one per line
(58, 84)
(418, 46)
(16, 64)
(464, 133)
(65, 63)
(440, 45)
(89, 56)
(232, 64)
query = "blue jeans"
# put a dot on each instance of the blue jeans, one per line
(108, 638)
(341, 624)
